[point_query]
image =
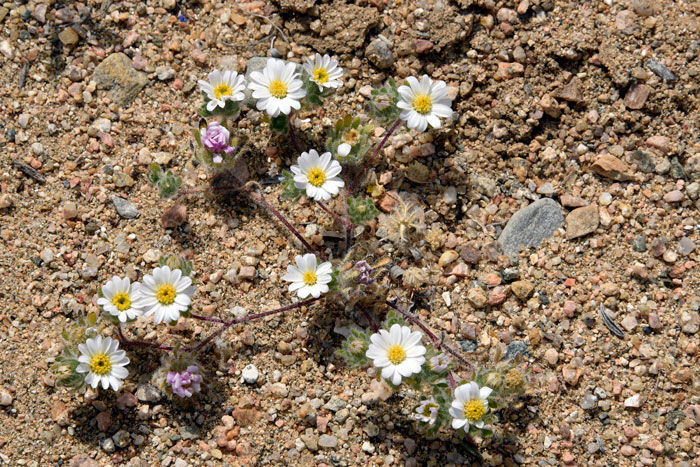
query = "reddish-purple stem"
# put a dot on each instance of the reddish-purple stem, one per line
(371, 320)
(254, 317)
(370, 159)
(293, 136)
(261, 199)
(207, 318)
(335, 216)
(129, 343)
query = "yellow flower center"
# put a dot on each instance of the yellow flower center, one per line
(396, 354)
(422, 103)
(122, 301)
(222, 89)
(514, 379)
(316, 177)
(428, 407)
(166, 294)
(310, 278)
(320, 75)
(474, 410)
(351, 137)
(100, 364)
(278, 89)
(357, 346)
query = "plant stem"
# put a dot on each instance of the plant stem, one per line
(371, 320)
(293, 135)
(206, 318)
(347, 225)
(335, 216)
(436, 341)
(246, 319)
(370, 159)
(261, 199)
(129, 343)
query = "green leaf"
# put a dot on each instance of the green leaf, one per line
(168, 185)
(361, 210)
(155, 173)
(279, 123)
(391, 319)
(290, 190)
(382, 105)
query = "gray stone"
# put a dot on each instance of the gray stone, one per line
(661, 71)
(379, 53)
(107, 445)
(328, 441)
(148, 393)
(335, 404)
(639, 243)
(468, 345)
(117, 76)
(643, 161)
(125, 208)
(121, 438)
(589, 402)
(516, 348)
(529, 226)
(686, 246)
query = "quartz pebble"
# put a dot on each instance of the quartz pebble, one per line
(250, 374)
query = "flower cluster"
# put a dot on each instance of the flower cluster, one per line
(164, 295)
(186, 382)
(399, 354)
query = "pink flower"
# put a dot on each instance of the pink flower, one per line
(185, 383)
(215, 138)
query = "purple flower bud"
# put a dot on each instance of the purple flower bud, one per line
(365, 271)
(186, 382)
(215, 138)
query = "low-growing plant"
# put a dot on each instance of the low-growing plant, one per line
(401, 348)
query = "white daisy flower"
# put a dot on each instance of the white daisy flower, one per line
(121, 298)
(324, 71)
(277, 88)
(427, 411)
(308, 277)
(470, 406)
(165, 294)
(397, 352)
(423, 102)
(317, 175)
(102, 362)
(222, 87)
(438, 363)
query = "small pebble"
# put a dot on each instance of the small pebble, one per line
(250, 374)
